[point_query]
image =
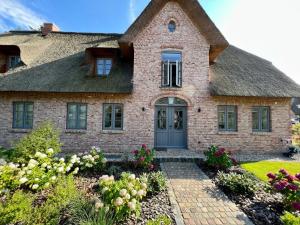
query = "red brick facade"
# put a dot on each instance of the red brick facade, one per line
(138, 124)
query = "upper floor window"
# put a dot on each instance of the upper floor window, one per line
(103, 66)
(13, 61)
(172, 26)
(112, 116)
(23, 115)
(227, 118)
(77, 116)
(171, 69)
(261, 119)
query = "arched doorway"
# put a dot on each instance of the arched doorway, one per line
(171, 123)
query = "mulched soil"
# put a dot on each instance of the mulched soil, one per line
(152, 206)
(264, 208)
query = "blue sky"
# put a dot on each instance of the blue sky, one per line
(268, 28)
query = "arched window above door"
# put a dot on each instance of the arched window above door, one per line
(171, 101)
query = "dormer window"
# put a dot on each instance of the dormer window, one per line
(171, 69)
(13, 61)
(103, 66)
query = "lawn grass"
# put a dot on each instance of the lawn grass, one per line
(261, 168)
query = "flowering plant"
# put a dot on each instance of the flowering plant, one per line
(288, 185)
(123, 196)
(93, 159)
(144, 157)
(219, 158)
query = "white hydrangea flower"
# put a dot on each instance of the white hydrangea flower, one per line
(36, 179)
(32, 163)
(127, 196)
(118, 202)
(53, 178)
(50, 151)
(96, 157)
(61, 160)
(123, 192)
(12, 166)
(133, 192)
(23, 180)
(76, 170)
(68, 168)
(49, 167)
(60, 169)
(35, 186)
(104, 177)
(104, 190)
(99, 205)
(104, 160)
(144, 185)
(131, 177)
(21, 173)
(132, 205)
(44, 165)
(141, 193)
(29, 172)
(133, 200)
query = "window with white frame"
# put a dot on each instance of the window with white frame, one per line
(103, 66)
(171, 69)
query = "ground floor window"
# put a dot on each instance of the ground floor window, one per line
(261, 119)
(227, 118)
(77, 116)
(112, 116)
(23, 115)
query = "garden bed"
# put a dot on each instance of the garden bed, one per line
(263, 208)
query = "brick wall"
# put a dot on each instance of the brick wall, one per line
(138, 124)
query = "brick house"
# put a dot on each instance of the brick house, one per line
(170, 81)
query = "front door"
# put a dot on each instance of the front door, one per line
(170, 127)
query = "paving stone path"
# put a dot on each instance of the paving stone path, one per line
(197, 199)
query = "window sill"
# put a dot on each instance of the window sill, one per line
(75, 131)
(228, 132)
(171, 88)
(113, 131)
(263, 133)
(16, 130)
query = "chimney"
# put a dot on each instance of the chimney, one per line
(49, 27)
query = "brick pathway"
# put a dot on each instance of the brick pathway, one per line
(198, 199)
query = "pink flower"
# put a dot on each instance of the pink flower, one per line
(298, 176)
(292, 187)
(279, 186)
(142, 159)
(271, 176)
(144, 146)
(284, 172)
(148, 151)
(234, 161)
(220, 152)
(296, 205)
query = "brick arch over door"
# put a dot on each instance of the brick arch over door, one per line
(170, 94)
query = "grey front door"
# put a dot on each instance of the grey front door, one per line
(170, 127)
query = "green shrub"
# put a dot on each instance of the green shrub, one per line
(219, 158)
(8, 180)
(156, 182)
(144, 157)
(161, 220)
(114, 171)
(243, 184)
(41, 139)
(9, 155)
(84, 212)
(124, 195)
(18, 208)
(290, 219)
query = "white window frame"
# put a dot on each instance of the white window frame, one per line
(103, 72)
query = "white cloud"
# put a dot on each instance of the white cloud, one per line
(132, 10)
(18, 16)
(268, 28)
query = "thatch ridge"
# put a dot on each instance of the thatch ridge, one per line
(240, 73)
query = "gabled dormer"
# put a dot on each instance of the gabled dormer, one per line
(9, 57)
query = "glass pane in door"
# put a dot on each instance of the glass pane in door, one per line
(178, 119)
(162, 119)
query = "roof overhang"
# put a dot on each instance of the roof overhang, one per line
(195, 12)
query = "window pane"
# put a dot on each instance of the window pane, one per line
(28, 115)
(82, 117)
(231, 121)
(178, 120)
(18, 115)
(171, 56)
(162, 119)
(108, 116)
(221, 117)
(255, 119)
(265, 118)
(72, 116)
(166, 81)
(118, 116)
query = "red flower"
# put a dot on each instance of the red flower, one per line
(296, 205)
(151, 167)
(284, 172)
(278, 186)
(292, 187)
(298, 176)
(290, 178)
(144, 146)
(271, 176)
(220, 152)
(135, 152)
(234, 161)
(142, 159)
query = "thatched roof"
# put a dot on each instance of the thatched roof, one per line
(56, 63)
(239, 73)
(196, 13)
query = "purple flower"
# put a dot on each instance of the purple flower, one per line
(135, 152)
(144, 146)
(292, 187)
(279, 186)
(284, 172)
(271, 176)
(290, 178)
(297, 176)
(296, 205)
